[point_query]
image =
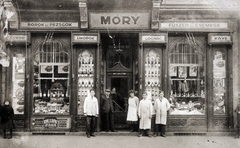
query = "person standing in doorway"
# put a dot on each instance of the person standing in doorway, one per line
(90, 110)
(132, 117)
(118, 104)
(161, 107)
(107, 110)
(145, 115)
(7, 115)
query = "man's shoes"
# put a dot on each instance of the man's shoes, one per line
(88, 136)
(140, 135)
(155, 135)
(149, 135)
(114, 131)
(163, 135)
(93, 135)
(106, 131)
(4, 136)
(10, 137)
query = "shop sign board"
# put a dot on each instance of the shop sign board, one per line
(199, 26)
(50, 123)
(49, 25)
(153, 38)
(219, 38)
(185, 2)
(85, 38)
(121, 20)
(17, 38)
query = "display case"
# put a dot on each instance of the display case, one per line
(51, 79)
(85, 77)
(18, 81)
(152, 73)
(187, 80)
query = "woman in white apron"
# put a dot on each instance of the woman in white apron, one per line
(132, 117)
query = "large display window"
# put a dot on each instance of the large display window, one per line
(187, 78)
(18, 81)
(219, 80)
(85, 77)
(51, 79)
(152, 73)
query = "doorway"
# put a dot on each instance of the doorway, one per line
(120, 85)
(119, 53)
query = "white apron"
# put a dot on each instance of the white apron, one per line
(161, 108)
(144, 112)
(132, 109)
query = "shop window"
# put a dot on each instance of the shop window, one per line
(152, 73)
(187, 80)
(51, 79)
(85, 77)
(18, 81)
(219, 81)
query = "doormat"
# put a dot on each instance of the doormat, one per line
(190, 134)
(48, 133)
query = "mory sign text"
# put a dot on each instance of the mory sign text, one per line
(119, 20)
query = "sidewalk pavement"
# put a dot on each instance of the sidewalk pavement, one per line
(114, 141)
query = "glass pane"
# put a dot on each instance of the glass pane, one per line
(219, 81)
(187, 80)
(51, 80)
(152, 73)
(18, 81)
(85, 77)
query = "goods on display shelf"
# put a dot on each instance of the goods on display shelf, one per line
(152, 74)
(187, 95)
(18, 81)
(52, 101)
(85, 77)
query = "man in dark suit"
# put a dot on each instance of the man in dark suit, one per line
(107, 111)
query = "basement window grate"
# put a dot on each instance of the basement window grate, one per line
(48, 133)
(190, 134)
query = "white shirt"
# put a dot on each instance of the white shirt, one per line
(90, 106)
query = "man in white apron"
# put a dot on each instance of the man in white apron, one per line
(161, 107)
(145, 115)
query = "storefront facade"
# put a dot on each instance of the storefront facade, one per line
(57, 55)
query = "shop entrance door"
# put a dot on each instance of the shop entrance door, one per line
(119, 58)
(120, 85)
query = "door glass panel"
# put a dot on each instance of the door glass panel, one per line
(119, 92)
(187, 80)
(18, 81)
(85, 77)
(219, 80)
(152, 73)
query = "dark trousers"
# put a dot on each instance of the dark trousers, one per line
(90, 125)
(108, 121)
(160, 127)
(145, 132)
(134, 127)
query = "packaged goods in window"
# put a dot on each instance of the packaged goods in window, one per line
(173, 71)
(182, 72)
(193, 71)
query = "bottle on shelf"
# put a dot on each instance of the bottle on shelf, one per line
(44, 94)
(66, 93)
(48, 93)
(40, 93)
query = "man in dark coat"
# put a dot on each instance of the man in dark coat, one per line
(7, 114)
(107, 111)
